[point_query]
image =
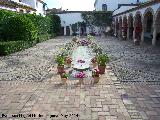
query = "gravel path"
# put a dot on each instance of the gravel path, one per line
(132, 63)
(33, 63)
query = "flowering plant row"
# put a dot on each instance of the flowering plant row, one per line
(81, 61)
(95, 73)
(80, 75)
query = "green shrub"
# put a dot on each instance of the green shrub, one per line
(19, 28)
(41, 23)
(19, 31)
(42, 38)
(55, 26)
(9, 47)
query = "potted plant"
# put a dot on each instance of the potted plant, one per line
(95, 75)
(68, 61)
(64, 77)
(74, 39)
(94, 62)
(80, 75)
(102, 59)
(60, 61)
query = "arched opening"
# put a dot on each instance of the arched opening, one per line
(117, 27)
(104, 7)
(157, 25)
(67, 31)
(21, 11)
(148, 29)
(130, 27)
(124, 28)
(120, 28)
(138, 27)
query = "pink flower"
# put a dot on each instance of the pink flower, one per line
(80, 75)
(81, 61)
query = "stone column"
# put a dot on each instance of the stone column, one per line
(142, 35)
(115, 28)
(64, 30)
(128, 32)
(154, 35)
(71, 32)
(134, 33)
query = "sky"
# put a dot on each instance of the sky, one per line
(71, 5)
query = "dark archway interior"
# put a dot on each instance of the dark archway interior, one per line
(158, 29)
(130, 27)
(120, 27)
(148, 30)
(125, 26)
(138, 27)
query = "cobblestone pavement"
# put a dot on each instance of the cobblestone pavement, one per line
(133, 63)
(32, 63)
(107, 100)
(137, 69)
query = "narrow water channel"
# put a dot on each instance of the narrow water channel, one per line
(81, 60)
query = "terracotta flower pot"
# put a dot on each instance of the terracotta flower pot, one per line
(96, 79)
(101, 69)
(60, 69)
(94, 65)
(64, 80)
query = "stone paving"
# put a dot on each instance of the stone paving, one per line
(48, 99)
(133, 63)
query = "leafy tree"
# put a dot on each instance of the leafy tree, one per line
(55, 24)
(97, 18)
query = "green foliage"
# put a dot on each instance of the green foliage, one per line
(4, 15)
(42, 38)
(41, 23)
(29, 28)
(75, 27)
(60, 60)
(64, 75)
(19, 28)
(97, 18)
(55, 24)
(9, 47)
(102, 59)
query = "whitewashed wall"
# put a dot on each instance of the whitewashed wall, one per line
(31, 3)
(67, 19)
(70, 18)
(39, 8)
(113, 4)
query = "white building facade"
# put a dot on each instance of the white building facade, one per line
(111, 5)
(71, 17)
(25, 6)
(140, 23)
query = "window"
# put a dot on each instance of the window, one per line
(36, 3)
(21, 11)
(104, 7)
(28, 11)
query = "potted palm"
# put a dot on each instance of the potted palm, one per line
(95, 75)
(60, 61)
(102, 59)
(64, 77)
